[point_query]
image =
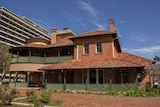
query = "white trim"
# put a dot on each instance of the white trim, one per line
(96, 48)
(113, 48)
(84, 49)
(77, 52)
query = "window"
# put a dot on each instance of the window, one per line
(92, 76)
(98, 47)
(125, 76)
(100, 76)
(86, 48)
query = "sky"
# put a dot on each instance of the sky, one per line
(137, 21)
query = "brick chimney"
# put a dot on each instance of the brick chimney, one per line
(111, 22)
(53, 36)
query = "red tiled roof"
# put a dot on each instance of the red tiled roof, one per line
(62, 41)
(59, 42)
(83, 64)
(122, 60)
(93, 33)
(134, 59)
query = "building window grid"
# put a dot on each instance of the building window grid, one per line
(32, 31)
(10, 18)
(86, 48)
(98, 47)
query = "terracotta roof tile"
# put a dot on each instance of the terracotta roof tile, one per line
(62, 41)
(83, 64)
(122, 60)
(134, 59)
(93, 33)
(59, 42)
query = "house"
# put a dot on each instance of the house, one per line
(87, 61)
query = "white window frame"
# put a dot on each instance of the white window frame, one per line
(97, 48)
(84, 48)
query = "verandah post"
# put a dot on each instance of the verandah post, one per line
(15, 81)
(86, 79)
(136, 72)
(64, 84)
(43, 79)
(28, 74)
(30, 53)
(110, 80)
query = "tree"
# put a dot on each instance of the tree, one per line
(157, 59)
(154, 69)
(5, 58)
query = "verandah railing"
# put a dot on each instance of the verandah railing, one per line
(91, 87)
(88, 87)
(36, 59)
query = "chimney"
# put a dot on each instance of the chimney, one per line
(53, 36)
(111, 22)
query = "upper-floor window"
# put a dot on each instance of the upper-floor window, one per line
(86, 48)
(98, 47)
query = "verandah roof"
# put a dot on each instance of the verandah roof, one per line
(85, 64)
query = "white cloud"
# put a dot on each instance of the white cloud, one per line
(139, 37)
(93, 14)
(99, 26)
(91, 11)
(146, 50)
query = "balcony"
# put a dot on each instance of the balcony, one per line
(36, 59)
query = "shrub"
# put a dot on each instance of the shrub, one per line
(6, 95)
(148, 85)
(45, 96)
(57, 102)
(112, 92)
(31, 96)
(28, 93)
(37, 103)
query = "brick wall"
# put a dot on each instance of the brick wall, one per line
(106, 47)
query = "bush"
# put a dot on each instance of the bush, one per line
(31, 96)
(6, 95)
(37, 103)
(45, 96)
(151, 92)
(112, 92)
(57, 102)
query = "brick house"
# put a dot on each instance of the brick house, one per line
(86, 61)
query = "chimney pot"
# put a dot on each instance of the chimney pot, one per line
(54, 30)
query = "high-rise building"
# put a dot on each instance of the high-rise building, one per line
(14, 30)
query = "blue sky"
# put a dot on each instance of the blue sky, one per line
(136, 21)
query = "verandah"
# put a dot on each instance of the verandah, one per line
(86, 79)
